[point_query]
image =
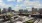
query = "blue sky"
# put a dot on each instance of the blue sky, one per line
(21, 4)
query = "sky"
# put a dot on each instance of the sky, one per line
(20, 4)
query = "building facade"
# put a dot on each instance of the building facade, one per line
(0, 10)
(34, 10)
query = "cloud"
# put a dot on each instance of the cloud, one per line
(10, 0)
(1, 1)
(4, 5)
(29, 4)
(34, 4)
(24, 4)
(20, 0)
(17, 7)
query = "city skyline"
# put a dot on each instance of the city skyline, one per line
(20, 4)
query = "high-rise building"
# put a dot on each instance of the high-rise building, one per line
(21, 11)
(25, 11)
(0, 10)
(9, 9)
(40, 10)
(34, 10)
(4, 10)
